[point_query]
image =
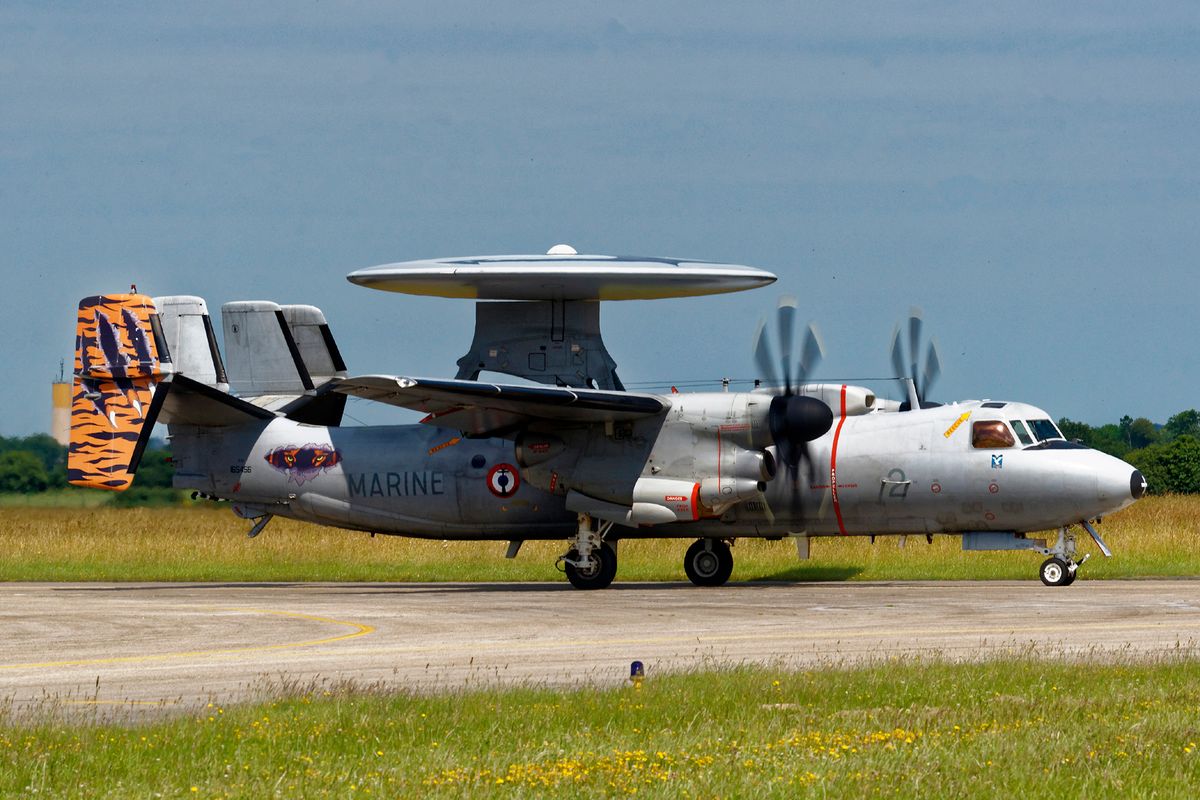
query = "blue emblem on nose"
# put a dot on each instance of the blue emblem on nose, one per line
(998, 462)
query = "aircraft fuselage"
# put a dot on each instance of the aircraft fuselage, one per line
(875, 473)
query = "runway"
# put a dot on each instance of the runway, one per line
(150, 648)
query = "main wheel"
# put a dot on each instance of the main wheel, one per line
(1054, 572)
(599, 574)
(708, 562)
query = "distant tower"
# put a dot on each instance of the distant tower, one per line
(60, 411)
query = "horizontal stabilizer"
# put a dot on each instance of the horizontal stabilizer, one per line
(487, 408)
(188, 402)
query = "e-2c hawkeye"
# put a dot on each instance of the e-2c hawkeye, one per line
(570, 454)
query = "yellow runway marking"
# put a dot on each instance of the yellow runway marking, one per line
(702, 639)
(359, 630)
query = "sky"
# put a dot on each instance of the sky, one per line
(1028, 174)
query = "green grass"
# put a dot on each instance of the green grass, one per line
(1155, 537)
(1006, 728)
(56, 498)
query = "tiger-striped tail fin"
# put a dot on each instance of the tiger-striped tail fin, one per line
(120, 354)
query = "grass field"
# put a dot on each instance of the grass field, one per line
(1036, 726)
(895, 729)
(1155, 537)
(56, 498)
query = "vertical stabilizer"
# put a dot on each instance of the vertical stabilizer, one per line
(263, 358)
(120, 353)
(315, 341)
(192, 340)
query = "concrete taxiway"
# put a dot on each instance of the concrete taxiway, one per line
(157, 647)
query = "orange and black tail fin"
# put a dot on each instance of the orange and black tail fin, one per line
(120, 354)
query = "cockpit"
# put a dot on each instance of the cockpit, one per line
(1017, 424)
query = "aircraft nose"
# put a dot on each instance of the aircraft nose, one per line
(1118, 484)
(1137, 485)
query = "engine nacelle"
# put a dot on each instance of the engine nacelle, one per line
(756, 465)
(720, 493)
(538, 448)
(859, 399)
(654, 498)
(656, 501)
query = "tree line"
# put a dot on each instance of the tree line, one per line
(38, 463)
(1168, 455)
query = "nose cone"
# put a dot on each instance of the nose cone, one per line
(1137, 485)
(1118, 483)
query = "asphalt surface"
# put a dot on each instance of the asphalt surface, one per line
(154, 648)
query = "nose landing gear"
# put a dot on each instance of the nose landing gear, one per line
(1061, 568)
(1059, 572)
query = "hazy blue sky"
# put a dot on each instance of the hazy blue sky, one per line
(1028, 174)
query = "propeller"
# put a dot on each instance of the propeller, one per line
(794, 419)
(922, 378)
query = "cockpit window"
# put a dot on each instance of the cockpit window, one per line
(991, 434)
(1022, 434)
(1044, 430)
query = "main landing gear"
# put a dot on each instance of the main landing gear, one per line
(708, 562)
(591, 563)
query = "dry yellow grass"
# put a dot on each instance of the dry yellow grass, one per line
(1157, 536)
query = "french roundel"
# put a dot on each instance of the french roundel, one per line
(503, 480)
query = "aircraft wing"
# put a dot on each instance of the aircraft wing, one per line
(488, 409)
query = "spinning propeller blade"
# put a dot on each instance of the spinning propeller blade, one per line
(794, 419)
(922, 379)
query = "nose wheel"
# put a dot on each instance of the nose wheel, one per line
(1061, 568)
(708, 562)
(1058, 572)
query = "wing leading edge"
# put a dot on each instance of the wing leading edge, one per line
(488, 409)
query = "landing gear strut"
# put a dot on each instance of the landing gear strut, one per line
(591, 563)
(1061, 568)
(708, 562)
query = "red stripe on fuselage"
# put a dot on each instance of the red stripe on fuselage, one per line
(833, 484)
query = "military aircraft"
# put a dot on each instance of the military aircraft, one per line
(559, 458)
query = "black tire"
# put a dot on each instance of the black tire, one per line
(1071, 576)
(599, 577)
(708, 562)
(1054, 572)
